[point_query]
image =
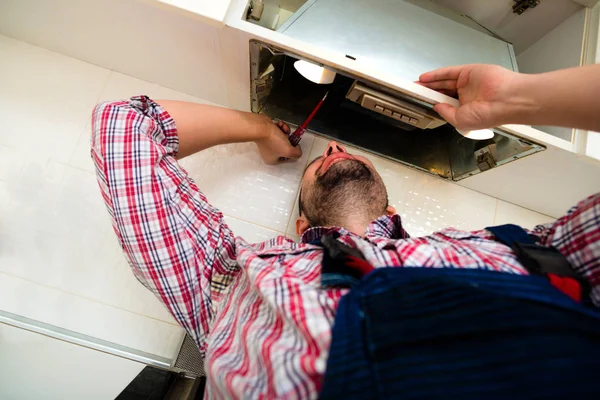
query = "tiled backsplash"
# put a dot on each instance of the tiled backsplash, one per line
(59, 259)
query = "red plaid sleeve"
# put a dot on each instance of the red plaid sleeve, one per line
(577, 236)
(177, 244)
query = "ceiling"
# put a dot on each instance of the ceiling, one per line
(521, 30)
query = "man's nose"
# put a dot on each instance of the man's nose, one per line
(333, 147)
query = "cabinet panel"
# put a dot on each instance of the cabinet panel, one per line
(396, 37)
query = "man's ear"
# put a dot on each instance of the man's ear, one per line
(390, 210)
(301, 225)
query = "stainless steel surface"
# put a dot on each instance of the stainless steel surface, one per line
(83, 340)
(189, 358)
(392, 107)
(394, 37)
(386, 128)
(506, 148)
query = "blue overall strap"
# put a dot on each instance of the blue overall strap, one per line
(542, 260)
(510, 234)
(423, 333)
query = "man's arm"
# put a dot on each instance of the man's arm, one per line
(177, 244)
(491, 96)
(201, 126)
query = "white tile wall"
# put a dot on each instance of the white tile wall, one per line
(250, 232)
(247, 188)
(59, 260)
(89, 317)
(39, 106)
(507, 213)
(75, 373)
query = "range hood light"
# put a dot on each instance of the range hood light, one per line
(314, 73)
(477, 134)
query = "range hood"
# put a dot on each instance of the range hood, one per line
(374, 117)
(395, 37)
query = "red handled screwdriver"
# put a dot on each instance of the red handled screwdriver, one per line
(295, 136)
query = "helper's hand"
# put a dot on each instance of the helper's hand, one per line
(485, 92)
(275, 144)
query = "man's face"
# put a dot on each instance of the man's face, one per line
(340, 189)
(333, 153)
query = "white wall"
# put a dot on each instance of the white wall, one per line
(128, 36)
(33, 366)
(593, 145)
(559, 49)
(60, 262)
(520, 30)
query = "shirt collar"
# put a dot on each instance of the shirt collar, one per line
(386, 226)
(315, 233)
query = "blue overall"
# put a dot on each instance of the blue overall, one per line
(459, 333)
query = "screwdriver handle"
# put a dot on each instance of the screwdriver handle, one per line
(294, 138)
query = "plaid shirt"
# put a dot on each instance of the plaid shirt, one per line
(257, 311)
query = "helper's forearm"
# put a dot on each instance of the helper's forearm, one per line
(560, 98)
(201, 126)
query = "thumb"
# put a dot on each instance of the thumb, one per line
(447, 112)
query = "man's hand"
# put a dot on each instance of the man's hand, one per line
(275, 144)
(486, 94)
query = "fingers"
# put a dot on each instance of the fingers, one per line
(447, 87)
(449, 92)
(291, 153)
(447, 112)
(447, 73)
(443, 84)
(284, 127)
(294, 153)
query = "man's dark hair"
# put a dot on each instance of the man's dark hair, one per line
(348, 191)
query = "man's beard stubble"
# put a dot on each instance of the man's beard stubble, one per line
(347, 189)
(342, 172)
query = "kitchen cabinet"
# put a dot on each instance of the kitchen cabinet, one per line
(205, 11)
